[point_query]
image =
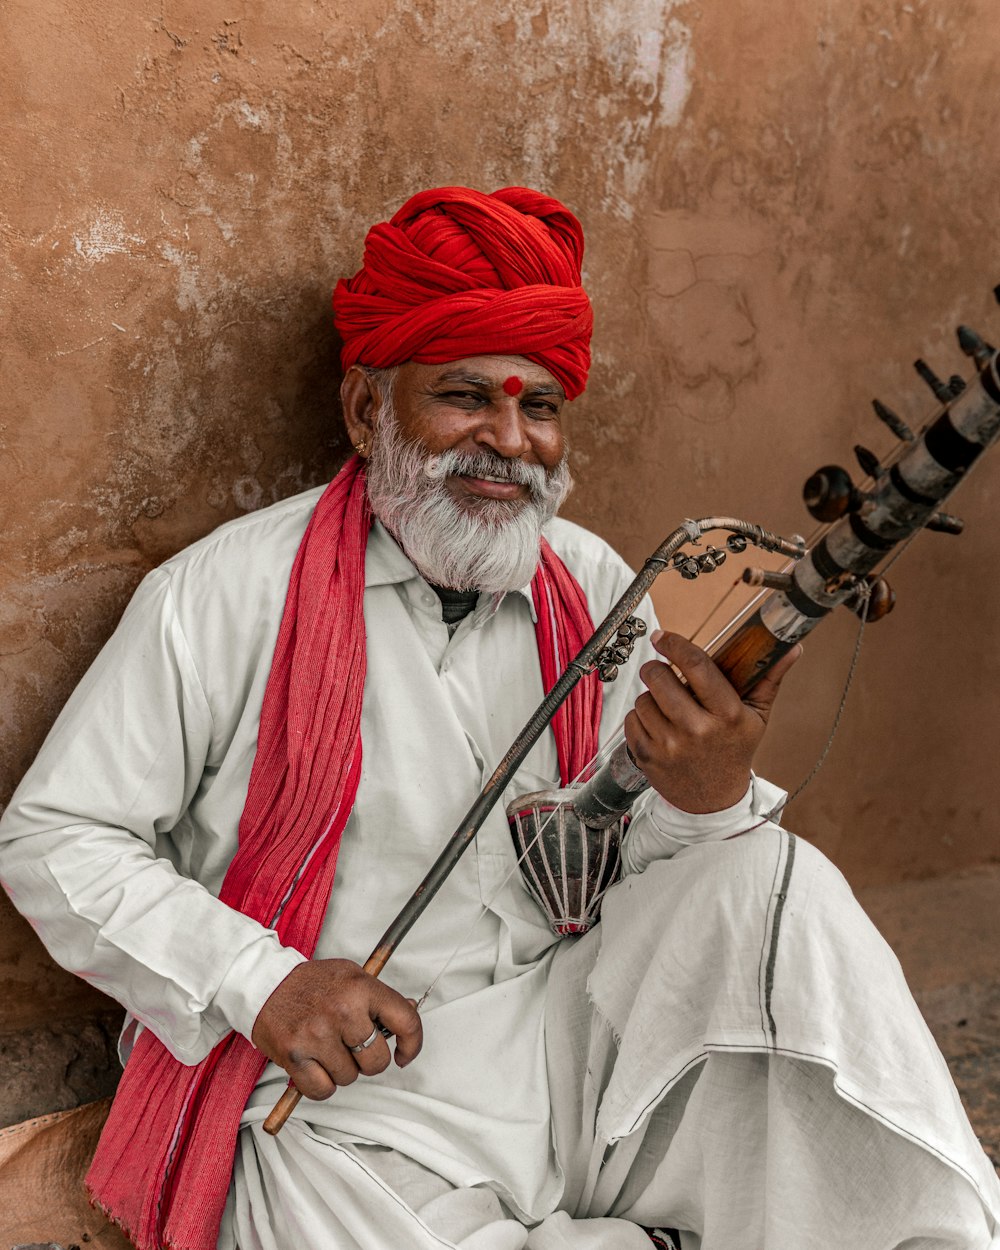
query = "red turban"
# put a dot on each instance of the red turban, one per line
(458, 273)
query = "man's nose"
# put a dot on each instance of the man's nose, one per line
(504, 430)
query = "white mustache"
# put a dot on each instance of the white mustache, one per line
(487, 464)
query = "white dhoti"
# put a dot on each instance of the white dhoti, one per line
(733, 1052)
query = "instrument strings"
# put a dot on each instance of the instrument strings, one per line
(745, 610)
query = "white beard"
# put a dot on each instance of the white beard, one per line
(492, 548)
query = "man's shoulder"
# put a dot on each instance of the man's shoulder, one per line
(260, 541)
(595, 564)
(579, 547)
(226, 592)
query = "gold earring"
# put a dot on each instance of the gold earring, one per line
(362, 448)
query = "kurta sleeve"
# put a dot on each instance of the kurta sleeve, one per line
(86, 849)
(658, 830)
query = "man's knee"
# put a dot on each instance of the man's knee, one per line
(733, 900)
(760, 866)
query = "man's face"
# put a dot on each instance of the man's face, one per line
(467, 464)
(465, 406)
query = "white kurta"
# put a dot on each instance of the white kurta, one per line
(117, 841)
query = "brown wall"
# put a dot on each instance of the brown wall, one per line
(784, 203)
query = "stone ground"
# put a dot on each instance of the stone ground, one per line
(59, 1066)
(946, 933)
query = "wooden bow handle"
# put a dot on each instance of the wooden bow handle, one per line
(281, 1110)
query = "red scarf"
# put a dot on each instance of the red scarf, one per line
(164, 1161)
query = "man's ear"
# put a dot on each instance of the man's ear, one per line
(360, 404)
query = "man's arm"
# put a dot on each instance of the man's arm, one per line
(79, 841)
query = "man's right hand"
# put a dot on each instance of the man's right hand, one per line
(325, 1006)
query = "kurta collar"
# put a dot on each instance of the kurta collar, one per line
(386, 564)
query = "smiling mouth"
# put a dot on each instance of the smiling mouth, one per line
(488, 486)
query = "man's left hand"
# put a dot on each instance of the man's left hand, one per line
(696, 743)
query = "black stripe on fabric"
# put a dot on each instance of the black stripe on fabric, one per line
(906, 490)
(953, 451)
(763, 943)
(775, 932)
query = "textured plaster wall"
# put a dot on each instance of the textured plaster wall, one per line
(784, 205)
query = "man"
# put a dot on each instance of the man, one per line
(324, 686)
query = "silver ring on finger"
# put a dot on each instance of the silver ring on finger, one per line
(369, 1041)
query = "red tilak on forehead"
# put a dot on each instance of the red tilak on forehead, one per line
(513, 385)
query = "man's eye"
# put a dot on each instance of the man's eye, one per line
(466, 397)
(541, 408)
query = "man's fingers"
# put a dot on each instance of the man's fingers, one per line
(706, 682)
(668, 696)
(323, 1008)
(334, 1063)
(762, 696)
(373, 1058)
(637, 739)
(400, 1016)
(311, 1079)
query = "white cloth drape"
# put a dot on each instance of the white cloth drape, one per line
(733, 1052)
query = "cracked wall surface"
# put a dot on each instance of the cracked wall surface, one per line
(784, 206)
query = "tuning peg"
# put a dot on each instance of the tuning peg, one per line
(956, 384)
(868, 461)
(942, 390)
(874, 604)
(764, 577)
(830, 494)
(945, 523)
(972, 345)
(894, 422)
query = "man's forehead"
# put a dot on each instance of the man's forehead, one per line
(492, 371)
